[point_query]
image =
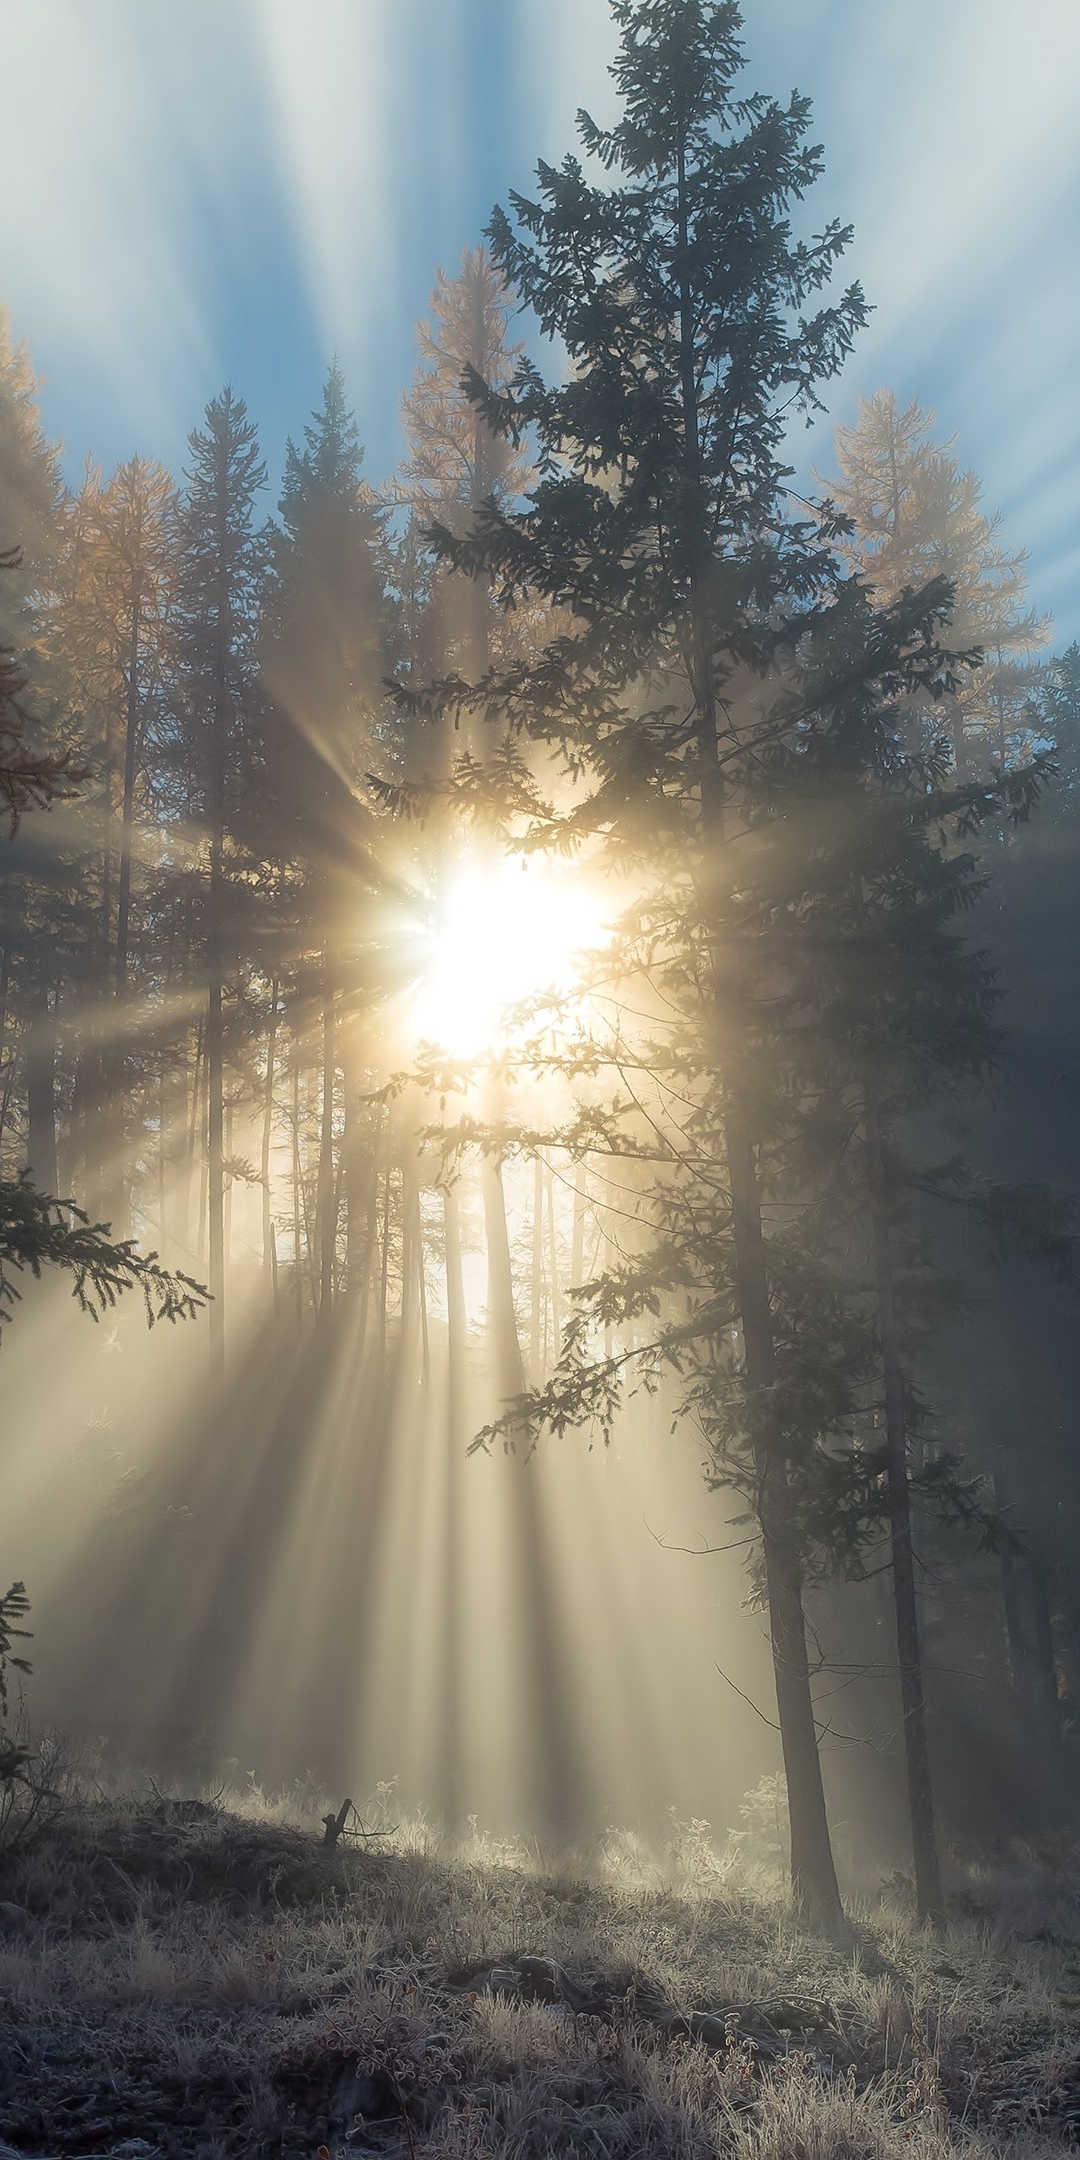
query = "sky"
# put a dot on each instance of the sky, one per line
(240, 189)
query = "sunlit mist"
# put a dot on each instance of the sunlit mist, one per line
(505, 928)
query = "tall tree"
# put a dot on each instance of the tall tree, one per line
(917, 515)
(679, 292)
(116, 632)
(36, 883)
(323, 655)
(456, 462)
(222, 569)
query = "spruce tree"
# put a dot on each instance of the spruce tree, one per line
(685, 305)
(323, 653)
(222, 567)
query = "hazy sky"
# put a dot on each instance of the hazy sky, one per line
(214, 189)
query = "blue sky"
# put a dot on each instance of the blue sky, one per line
(216, 189)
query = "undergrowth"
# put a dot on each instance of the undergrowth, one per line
(208, 1979)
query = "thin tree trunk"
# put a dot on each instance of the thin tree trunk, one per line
(215, 1092)
(297, 1186)
(553, 1252)
(326, 1193)
(384, 1278)
(422, 1296)
(203, 1160)
(163, 1120)
(1044, 1667)
(452, 1632)
(502, 1317)
(269, 1242)
(193, 1136)
(357, 1166)
(456, 1325)
(371, 1254)
(1010, 1591)
(123, 902)
(536, 1303)
(928, 1891)
(813, 1872)
(41, 1092)
(412, 1261)
(230, 1189)
(577, 1236)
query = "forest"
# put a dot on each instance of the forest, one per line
(557, 972)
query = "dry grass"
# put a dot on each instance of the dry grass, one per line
(221, 1986)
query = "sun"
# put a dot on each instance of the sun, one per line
(505, 928)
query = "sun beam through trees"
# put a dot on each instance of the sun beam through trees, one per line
(527, 936)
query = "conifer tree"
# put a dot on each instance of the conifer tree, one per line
(323, 655)
(455, 464)
(32, 507)
(37, 881)
(917, 516)
(680, 294)
(222, 568)
(115, 629)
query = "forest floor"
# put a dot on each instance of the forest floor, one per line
(182, 1979)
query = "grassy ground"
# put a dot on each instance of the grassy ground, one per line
(207, 1980)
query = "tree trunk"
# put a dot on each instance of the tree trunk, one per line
(384, 1263)
(41, 1093)
(298, 1189)
(536, 1286)
(507, 1361)
(357, 1159)
(928, 1891)
(215, 1078)
(123, 904)
(553, 1259)
(215, 1041)
(193, 1152)
(269, 1242)
(452, 1639)
(813, 1873)
(162, 1162)
(456, 1321)
(326, 1210)
(1010, 1591)
(577, 1235)
(371, 1254)
(1044, 1668)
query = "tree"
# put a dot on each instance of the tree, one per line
(456, 462)
(37, 735)
(30, 779)
(38, 1232)
(323, 650)
(678, 291)
(116, 631)
(220, 579)
(889, 1012)
(32, 505)
(916, 516)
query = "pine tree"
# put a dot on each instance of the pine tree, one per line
(32, 505)
(114, 627)
(222, 568)
(38, 880)
(323, 655)
(679, 293)
(455, 464)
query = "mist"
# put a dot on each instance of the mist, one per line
(538, 1184)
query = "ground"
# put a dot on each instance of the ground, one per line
(204, 1978)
